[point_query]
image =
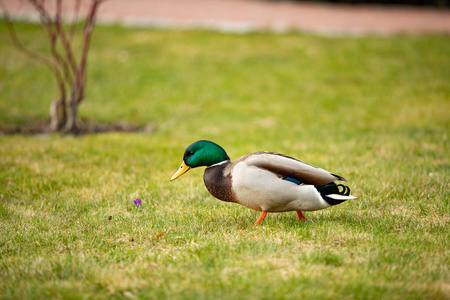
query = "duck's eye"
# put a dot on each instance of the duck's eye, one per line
(191, 152)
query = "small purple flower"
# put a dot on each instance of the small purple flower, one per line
(137, 202)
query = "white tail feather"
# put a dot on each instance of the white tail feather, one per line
(341, 197)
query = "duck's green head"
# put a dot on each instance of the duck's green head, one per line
(201, 153)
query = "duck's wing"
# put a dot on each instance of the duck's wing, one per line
(286, 166)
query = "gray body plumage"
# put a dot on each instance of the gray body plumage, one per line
(257, 181)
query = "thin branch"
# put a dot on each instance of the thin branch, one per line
(58, 12)
(52, 33)
(16, 41)
(39, 58)
(75, 19)
(64, 41)
(57, 64)
(70, 76)
(88, 27)
(70, 61)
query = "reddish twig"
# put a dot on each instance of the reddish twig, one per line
(87, 33)
(70, 75)
(70, 60)
(58, 62)
(16, 41)
(74, 19)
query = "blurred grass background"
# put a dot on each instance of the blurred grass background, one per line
(373, 109)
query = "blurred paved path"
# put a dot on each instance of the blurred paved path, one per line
(250, 15)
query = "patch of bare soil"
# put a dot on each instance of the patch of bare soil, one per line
(84, 128)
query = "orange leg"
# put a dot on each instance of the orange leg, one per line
(301, 216)
(261, 218)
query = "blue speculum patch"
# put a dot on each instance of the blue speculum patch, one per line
(293, 180)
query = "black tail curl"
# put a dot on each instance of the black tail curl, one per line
(333, 188)
(345, 190)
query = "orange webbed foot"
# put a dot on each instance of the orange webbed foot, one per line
(261, 218)
(301, 216)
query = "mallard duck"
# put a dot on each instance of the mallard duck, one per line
(264, 181)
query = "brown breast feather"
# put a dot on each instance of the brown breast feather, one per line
(218, 179)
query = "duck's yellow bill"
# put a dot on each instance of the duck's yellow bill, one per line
(183, 169)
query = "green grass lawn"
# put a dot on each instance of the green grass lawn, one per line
(375, 110)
